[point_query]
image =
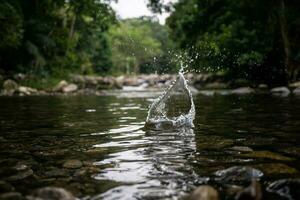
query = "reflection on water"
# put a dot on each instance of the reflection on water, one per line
(123, 160)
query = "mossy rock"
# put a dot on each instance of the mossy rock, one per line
(266, 155)
(276, 168)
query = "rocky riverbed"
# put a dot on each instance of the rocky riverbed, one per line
(206, 84)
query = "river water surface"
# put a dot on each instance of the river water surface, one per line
(122, 160)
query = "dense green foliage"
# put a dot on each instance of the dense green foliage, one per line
(141, 46)
(54, 36)
(254, 39)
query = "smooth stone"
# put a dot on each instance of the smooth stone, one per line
(252, 192)
(238, 174)
(11, 196)
(6, 187)
(60, 86)
(287, 188)
(205, 192)
(296, 91)
(20, 175)
(276, 168)
(262, 86)
(281, 90)
(70, 88)
(243, 90)
(241, 148)
(72, 164)
(26, 90)
(267, 155)
(51, 193)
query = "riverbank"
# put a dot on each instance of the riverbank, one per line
(206, 84)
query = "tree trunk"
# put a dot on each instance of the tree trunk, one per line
(284, 35)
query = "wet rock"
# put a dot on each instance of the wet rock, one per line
(51, 193)
(70, 88)
(252, 192)
(59, 87)
(288, 188)
(20, 175)
(11, 196)
(296, 91)
(238, 174)
(6, 187)
(204, 192)
(26, 90)
(241, 148)
(9, 87)
(276, 168)
(280, 90)
(243, 90)
(72, 164)
(267, 155)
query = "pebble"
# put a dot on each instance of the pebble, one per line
(72, 164)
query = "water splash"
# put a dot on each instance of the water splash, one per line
(174, 108)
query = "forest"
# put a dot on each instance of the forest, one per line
(256, 40)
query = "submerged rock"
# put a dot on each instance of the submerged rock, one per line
(204, 192)
(252, 192)
(241, 148)
(267, 155)
(272, 169)
(9, 87)
(20, 175)
(72, 164)
(6, 187)
(51, 193)
(238, 174)
(288, 188)
(243, 90)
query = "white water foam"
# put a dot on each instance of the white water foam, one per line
(174, 108)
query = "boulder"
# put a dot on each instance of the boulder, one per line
(59, 87)
(9, 87)
(72, 164)
(287, 188)
(204, 192)
(243, 90)
(295, 84)
(280, 90)
(70, 88)
(51, 193)
(27, 90)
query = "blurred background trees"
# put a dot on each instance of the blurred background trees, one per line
(257, 40)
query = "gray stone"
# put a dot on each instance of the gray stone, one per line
(26, 90)
(72, 164)
(51, 193)
(205, 192)
(11, 196)
(9, 87)
(70, 88)
(60, 86)
(280, 90)
(243, 90)
(56, 173)
(241, 148)
(262, 86)
(295, 84)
